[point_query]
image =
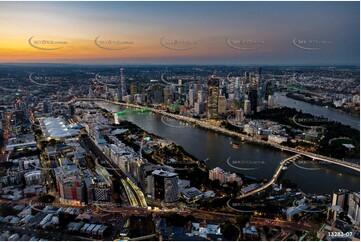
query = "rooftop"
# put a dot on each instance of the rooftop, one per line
(56, 128)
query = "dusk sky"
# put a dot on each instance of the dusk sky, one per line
(270, 29)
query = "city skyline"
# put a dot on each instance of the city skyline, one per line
(237, 33)
(180, 121)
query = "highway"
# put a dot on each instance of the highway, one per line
(135, 196)
(213, 127)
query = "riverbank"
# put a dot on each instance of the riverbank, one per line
(328, 105)
(221, 130)
(282, 100)
(253, 160)
(326, 129)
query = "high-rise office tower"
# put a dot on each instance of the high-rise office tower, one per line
(246, 76)
(239, 115)
(247, 108)
(253, 99)
(212, 99)
(155, 94)
(165, 186)
(197, 87)
(199, 108)
(271, 102)
(166, 95)
(222, 102)
(191, 97)
(200, 96)
(180, 88)
(122, 90)
(260, 79)
(254, 82)
(268, 89)
(261, 85)
(340, 198)
(354, 207)
(133, 89)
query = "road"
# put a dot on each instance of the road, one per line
(282, 223)
(135, 196)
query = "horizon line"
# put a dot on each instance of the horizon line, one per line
(170, 64)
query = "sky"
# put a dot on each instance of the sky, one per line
(229, 33)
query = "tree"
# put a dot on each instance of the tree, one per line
(6, 210)
(242, 220)
(46, 198)
(266, 229)
(65, 218)
(230, 232)
(176, 220)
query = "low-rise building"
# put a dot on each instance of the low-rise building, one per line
(192, 194)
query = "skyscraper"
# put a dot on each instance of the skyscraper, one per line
(222, 102)
(247, 108)
(133, 89)
(191, 97)
(122, 91)
(200, 96)
(260, 79)
(340, 198)
(271, 102)
(246, 76)
(166, 95)
(253, 99)
(354, 207)
(239, 115)
(212, 101)
(261, 85)
(199, 108)
(165, 186)
(268, 89)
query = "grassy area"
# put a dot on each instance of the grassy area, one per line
(332, 130)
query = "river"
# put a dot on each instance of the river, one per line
(252, 160)
(317, 110)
